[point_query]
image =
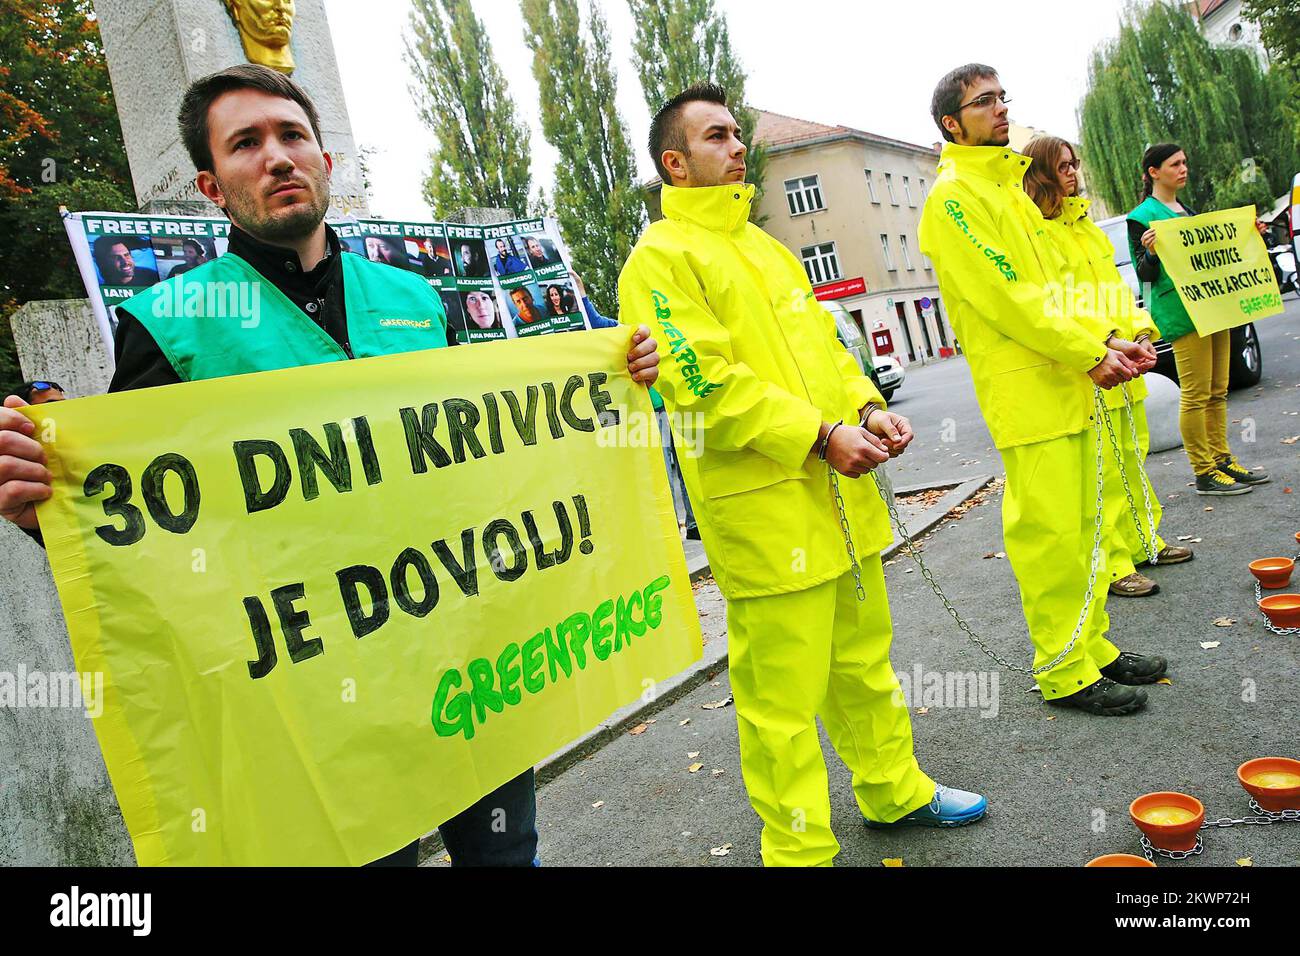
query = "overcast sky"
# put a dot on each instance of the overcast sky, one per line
(869, 65)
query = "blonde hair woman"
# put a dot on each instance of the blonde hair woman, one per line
(1099, 298)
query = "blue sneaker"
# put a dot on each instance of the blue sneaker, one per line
(949, 808)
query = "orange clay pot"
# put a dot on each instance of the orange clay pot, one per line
(1282, 610)
(1176, 836)
(1119, 859)
(1272, 572)
(1271, 798)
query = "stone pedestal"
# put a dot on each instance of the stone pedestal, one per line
(156, 48)
(60, 341)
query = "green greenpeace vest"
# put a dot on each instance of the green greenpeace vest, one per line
(225, 318)
(1164, 304)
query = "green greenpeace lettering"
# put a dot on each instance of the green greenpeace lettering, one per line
(683, 354)
(464, 698)
(953, 208)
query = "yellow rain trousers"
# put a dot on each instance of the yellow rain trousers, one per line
(820, 652)
(1029, 357)
(751, 370)
(1099, 297)
(1124, 548)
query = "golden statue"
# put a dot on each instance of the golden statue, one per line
(264, 27)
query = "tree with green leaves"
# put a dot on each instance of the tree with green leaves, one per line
(1160, 80)
(483, 156)
(682, 42)
(597, 201)
(60, 144)
(1279, 28)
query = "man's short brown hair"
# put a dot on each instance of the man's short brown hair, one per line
(203, 92)
(948, 93)
(666, 130)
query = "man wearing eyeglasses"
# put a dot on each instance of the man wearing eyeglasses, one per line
(1034, 369)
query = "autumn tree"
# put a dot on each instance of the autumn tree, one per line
(597, 200)
(682, 42)
(1160, 80)
(60, 144)
(483, 156)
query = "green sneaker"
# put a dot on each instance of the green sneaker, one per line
(1233, 469)
(1220, 483)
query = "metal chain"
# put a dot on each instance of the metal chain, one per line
(885, 487)
(1148, 544)
(1259, 596)
(1262, 818)
(1148, 849)
(847, 532)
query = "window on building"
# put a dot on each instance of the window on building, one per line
(907, 191)
(804, 195)
(889, 256)
(922, 182)
(820, 262)
(907, 256)
(889, 184)
(871, 187)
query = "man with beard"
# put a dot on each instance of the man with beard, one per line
(254, 138)
(1034, 367)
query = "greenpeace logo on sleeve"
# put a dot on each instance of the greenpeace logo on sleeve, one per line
(953, 208)
(74, 908)
(683, 354)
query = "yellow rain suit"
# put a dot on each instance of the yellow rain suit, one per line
(1096, 293)
(1001, 278)
(752, 369)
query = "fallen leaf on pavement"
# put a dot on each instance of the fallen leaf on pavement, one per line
(923, 710)
(1224, 621)
(598, 804)
(1000, 554)
(683, 723)
(989, 555)
(1245, 861)
(1053, 717)
(638, 730)
(909, 570)
(1184, 537)
(1286, 491)
(718, 773)
(1209, 509)
(1291, 441)
(1165, 680)
(720, 850)
(693, 754)
(892, 861)
(717, 704)
(1208, 645)
(695, 768)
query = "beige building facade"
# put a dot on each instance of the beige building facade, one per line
(847, 203)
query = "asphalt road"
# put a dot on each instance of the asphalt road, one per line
(1059, 781)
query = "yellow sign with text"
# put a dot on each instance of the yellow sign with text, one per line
(1220, 266)
(335, 605)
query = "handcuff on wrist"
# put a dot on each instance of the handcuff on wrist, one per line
(826, 442)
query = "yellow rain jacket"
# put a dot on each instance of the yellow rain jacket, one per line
(1094, 292)
(1028, 358)
(753, 363)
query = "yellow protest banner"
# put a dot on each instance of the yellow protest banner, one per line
(1220, 266)
(335, 605)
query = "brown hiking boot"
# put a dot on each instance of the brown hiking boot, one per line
(1134, 585)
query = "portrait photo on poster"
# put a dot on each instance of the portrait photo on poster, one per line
(124, 263)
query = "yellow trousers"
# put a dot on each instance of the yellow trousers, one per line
(820, 652)
(1048, 514)
(1124, 548)
(1203, 408)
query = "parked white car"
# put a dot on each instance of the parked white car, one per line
(884, 370)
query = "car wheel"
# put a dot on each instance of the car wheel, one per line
(888, 393)
(1247, 364)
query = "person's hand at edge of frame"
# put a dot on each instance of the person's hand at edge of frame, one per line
(24, 479)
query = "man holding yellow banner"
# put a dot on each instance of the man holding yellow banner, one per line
(215, 763)
(1206, 275)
